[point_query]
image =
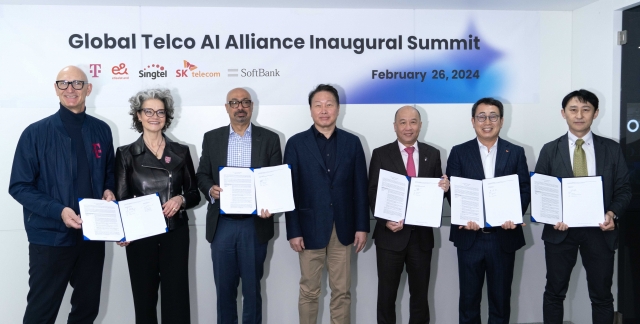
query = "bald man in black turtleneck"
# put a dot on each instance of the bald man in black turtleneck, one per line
(60, 159)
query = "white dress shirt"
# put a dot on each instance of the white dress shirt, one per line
(405, 155)
(488, 157)
(589, 151)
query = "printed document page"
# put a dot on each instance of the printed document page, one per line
(101, 220)
(582, 201)
(502, 200)
(391, 198)
(238, 195)
(142, 217)
(425, 202)
(274, 190)
(466, 201)
(546, 199)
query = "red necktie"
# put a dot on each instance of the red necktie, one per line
(411, 166)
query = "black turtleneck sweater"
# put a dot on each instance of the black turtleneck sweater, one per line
(82, 182)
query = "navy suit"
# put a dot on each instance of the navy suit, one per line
(597, 248)
(491, 252)
(321, 201)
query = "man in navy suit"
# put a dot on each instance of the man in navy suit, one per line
(575, 154)
(398, 244)
(329, 175)
(489, 251)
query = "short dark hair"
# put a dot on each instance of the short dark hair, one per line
(327, 88)
(488, 101)
(136, 101)
(583, 96)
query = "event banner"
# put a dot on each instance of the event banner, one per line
(372, 56)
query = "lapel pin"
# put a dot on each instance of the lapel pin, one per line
(507, 151)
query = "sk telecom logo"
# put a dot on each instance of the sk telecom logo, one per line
(95, 69)
(120, 72)
(189, 67)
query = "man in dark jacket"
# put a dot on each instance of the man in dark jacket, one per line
(581, 153)
(329, 175)
(59, 159)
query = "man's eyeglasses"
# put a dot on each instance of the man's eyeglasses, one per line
(246, 103)
(76, 84)
(150, 112)
(492, 117)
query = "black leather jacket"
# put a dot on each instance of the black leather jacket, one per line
(140, 173)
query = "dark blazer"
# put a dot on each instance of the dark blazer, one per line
(388, 158)
(265, 151)
(465, 161)
(555, 161)
(137, 174)
(320, 201)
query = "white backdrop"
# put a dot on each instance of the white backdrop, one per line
(27, 95)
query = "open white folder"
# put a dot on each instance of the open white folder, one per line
(126, 220)
(249, 190)
(416, 200)
(488, 202)
(578, 202)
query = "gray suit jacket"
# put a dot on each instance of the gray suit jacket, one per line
(555, 161)
(265, 151)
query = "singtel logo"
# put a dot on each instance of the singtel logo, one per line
(153, 71)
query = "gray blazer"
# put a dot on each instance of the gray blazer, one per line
(555, 161)
(265, 151)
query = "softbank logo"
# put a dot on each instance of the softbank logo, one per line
(189, 67)
(95, 69)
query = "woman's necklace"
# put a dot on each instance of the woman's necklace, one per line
(158, 149)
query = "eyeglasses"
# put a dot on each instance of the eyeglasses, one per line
(76, 84)
(492, 117)
(246, 103)
(150, 112)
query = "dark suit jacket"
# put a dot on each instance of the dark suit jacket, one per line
(465, 161)
(320, 201)
(265, 151)
(555, 161)
(388, 158)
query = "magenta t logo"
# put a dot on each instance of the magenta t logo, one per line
(97, 150)
(95, 69)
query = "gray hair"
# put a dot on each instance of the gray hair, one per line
(136, 101)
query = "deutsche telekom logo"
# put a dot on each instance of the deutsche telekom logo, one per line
(95, 69)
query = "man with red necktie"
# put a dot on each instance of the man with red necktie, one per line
(398, 244)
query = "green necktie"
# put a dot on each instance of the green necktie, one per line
(579, 160)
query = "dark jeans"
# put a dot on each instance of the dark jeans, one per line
(390, 267)
(597, 259)
(237, 254)
(485, 256)
(51, 269)
(161, 260)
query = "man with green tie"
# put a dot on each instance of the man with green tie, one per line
(580, 153)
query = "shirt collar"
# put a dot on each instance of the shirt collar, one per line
(482, 146)
(402, 147)
(247, 132)
(317, 133)
(588, 139)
